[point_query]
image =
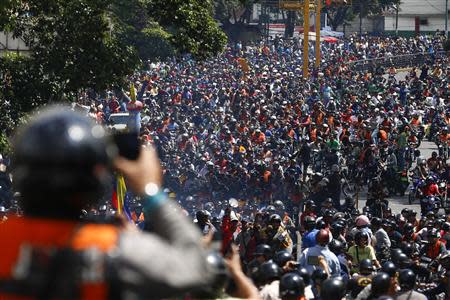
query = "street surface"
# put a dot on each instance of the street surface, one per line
(397, 203)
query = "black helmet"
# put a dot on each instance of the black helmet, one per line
(333, 289)
(269, 271)
(376, 222)
(328, 213)
(318, 275)
(321, 224)
(407, 279)
(310, 223)
(389, 268)
(407, 248)
(336, 228)
(221, 277)
(309, 203)
(395, 253)
(408, 228)
(433, 233)
(263, 249)
(365, 266)
(270, 209)
(361, 235)
(56, 156)
(381, 283)
(403, 261)
(336, 246)
(275, 218)
(279, 205)
(201, 214)
(292, 284)
(282, 257)
(305, 275)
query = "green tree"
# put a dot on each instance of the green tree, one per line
(134, 27)
(190, 24)
(338, 14)
(80, 44)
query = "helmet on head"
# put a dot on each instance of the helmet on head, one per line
(389, 268)
(279, 205)
(407, 279)
(376, 222)
(408, 228)
(275, 218)
(403, 261)
(58, 154)
(318, 275)
(361, 235)
(270, 209)
(328, 213)
(269, 271)
(366, 266)
(221, 275)
(407, 248)
(310, 223)
(292, 284)
(202, 215)
(433, 233)
(305, 275)
(336, 246)
(264, 250)
(381, 283)
(333, 289)
(309, 203)
(321, 224)
(336, 228)
(282, 257)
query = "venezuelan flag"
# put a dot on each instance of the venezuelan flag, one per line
(120, 200)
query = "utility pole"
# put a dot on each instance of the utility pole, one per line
(318, 10)
(360, 17)
(306, 39)
(446, 18)
(396, 17)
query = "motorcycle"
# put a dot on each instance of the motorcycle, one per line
(429, 203)
(415, 191)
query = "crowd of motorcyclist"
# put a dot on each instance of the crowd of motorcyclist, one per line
(275, 163)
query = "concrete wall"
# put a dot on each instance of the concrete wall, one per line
(407, 23)
(8, 43)
(371, 25)
(431, 12)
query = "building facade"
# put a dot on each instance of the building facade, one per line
(417, 16)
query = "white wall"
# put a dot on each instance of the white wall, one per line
(407, 23)
(422, 7)
(8, 43)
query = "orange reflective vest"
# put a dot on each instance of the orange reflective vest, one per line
(45, 234)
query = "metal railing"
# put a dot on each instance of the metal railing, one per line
(397, 61)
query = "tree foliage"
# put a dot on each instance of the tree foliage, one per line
(339, 14)
(190, 24)
(93, 44)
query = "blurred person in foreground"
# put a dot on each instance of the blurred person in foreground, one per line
(62, 164)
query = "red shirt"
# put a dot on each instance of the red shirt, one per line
(431, 190)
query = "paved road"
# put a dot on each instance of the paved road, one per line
(397, 203)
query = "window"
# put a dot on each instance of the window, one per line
(423, 21)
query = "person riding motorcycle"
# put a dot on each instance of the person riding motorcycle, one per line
(434, 247)
(429, 191)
